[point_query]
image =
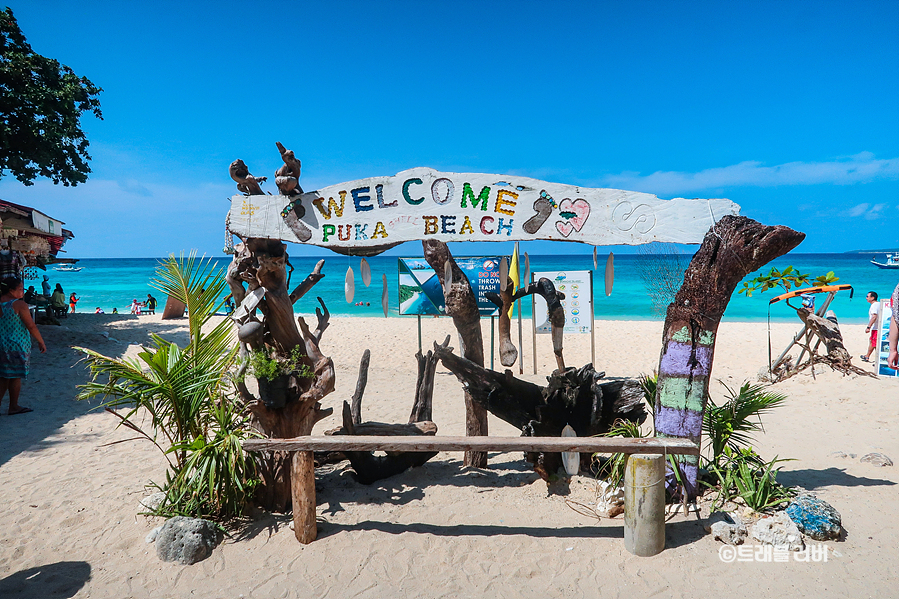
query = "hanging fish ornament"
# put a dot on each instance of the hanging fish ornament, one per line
(527, 270)
(503, 274)
(365, 271)
(610, 273)
(349, 286)
(595, 263)
(384, 303)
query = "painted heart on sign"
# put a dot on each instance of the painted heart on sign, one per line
(575, 214)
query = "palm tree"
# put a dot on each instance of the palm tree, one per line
(196, 419)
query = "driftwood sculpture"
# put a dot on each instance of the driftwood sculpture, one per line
(576, 396)
(821, 330)
(462, 305)
(508, 353)
(369, 467)
(258, 280)
(732, 249)
(287, 177)
(246, 183)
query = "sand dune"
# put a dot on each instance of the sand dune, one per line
(70, 525)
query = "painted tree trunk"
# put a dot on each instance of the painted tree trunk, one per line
(733, 248)
(462, 305)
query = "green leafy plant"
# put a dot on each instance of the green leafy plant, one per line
(195, 417)
(745, 476)
(649, 383)
(265, 366)
(731, 424)
(612, 468)
(786, 279)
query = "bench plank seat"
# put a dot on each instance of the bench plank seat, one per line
(454, 443)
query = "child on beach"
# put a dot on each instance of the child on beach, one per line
(72, 301)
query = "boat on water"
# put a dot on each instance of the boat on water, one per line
(68, 268)
(892, 262)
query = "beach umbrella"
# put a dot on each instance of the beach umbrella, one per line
(365, 270)
(349, 286)
(610, 273)
(384, 303)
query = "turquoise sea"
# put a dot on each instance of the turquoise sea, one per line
(114, 282)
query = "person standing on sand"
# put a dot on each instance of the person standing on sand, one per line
(16, 330)
(871, 329)
(45, 286)
(72, 301)
(151, 303)
(893, 359)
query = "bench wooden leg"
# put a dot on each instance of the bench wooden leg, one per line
(302, 480)
(644, 504)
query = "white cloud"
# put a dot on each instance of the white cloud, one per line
(861, 168)
(866, 210)
(857, 210)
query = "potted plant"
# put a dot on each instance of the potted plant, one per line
(273, 375)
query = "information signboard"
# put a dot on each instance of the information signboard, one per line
(421, 293)
(578, 303)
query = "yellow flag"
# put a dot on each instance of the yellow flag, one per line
(513, 274)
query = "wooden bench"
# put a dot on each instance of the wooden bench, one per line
(303, 471)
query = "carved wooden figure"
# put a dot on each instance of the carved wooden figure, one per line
(246, 183)
(287, 177)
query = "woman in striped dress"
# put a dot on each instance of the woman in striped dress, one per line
(16, 330)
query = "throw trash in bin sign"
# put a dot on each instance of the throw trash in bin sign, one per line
(575, 284)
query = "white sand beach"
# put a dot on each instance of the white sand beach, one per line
(70, 528)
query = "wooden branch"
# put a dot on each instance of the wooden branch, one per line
(270, 256)
(240, 263)
(324, 319)
(308, 283)
(508, 353)
(323, 382)
(573, 396)
(829, 332)
(370, 468)
(462, 305)
(456, 443)
(424, 385)
(361, 381)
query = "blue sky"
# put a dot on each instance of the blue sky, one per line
(787, 108)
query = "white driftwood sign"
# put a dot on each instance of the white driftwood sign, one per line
(367, 216)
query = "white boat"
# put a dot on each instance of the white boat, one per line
(892, 262)
(68, 268)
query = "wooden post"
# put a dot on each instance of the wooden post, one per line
(732, 249)
(302, 478)
(644, 504)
